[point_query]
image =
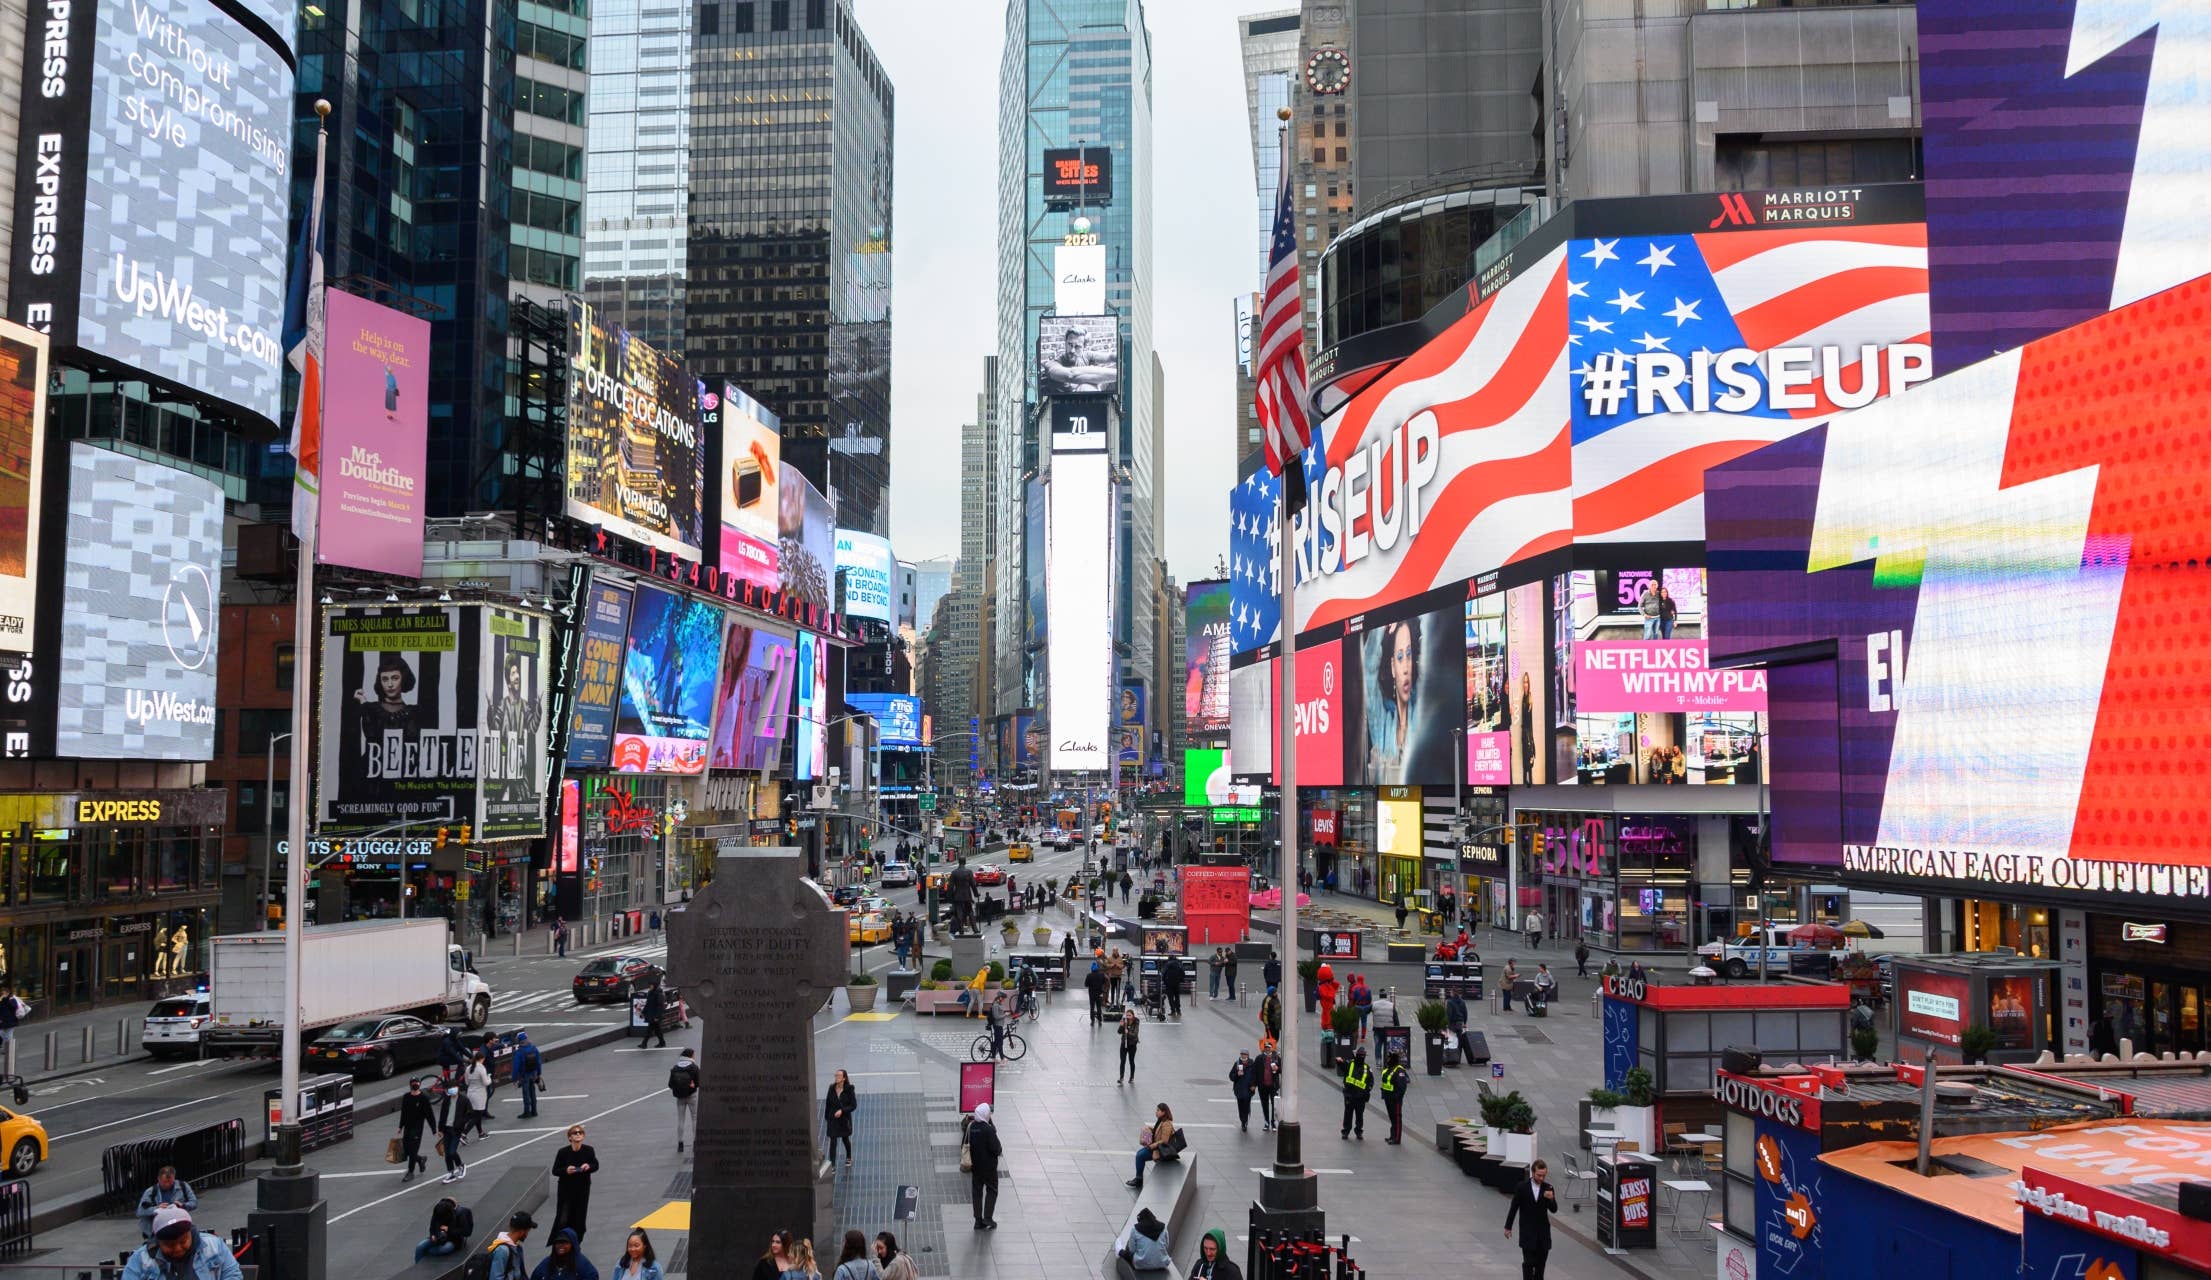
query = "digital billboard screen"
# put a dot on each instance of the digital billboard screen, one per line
(635, 465)
(1078, 355)
(1488, 704)
(1079, 594)
(897, 717)
(22, 475)
(754, 704)
(1034, 558)
(1079, 275)
(603, 631)
(402, 701)
(1206, 780)
(375, 432)
(1205, 655)
(666, 713)
(1078, 175)
(1251, 727)
(870, 575)
(806, 525)
(751, 496)
(1129, 724)
(1405, 701)
(511, 803)
(810, 730)
(141, 609)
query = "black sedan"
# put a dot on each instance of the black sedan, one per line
(610, 978)
(376, 1047)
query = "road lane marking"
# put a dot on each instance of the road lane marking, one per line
(200, 1065)
(144, 1115)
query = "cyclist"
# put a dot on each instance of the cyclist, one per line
(997, 1033)
(1027, 989)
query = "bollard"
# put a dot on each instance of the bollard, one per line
(87, 1047)
(518, 942)
(122, 1037)
(53, 1049)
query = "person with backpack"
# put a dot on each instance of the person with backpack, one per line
(502, 1259)
(1267, 1076)
(573, 1166)
(529, 1072)
(452, 1113)
(451, 1225)
(168, 1189)
(853, 1262)
(1270, 1015)
(416, 1114)
(179, 1251)
(564, 1260)
(836, 1115)
(683, 1083)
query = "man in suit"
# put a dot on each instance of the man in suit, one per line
(1537, 1199)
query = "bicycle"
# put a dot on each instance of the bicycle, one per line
(997, 1043)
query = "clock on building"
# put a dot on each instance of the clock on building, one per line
(1328, 71)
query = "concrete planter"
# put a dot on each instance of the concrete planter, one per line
(1637, 1125)
(1519, 1148)
(862, 999)
(1042, 933)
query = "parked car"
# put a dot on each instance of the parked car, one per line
(898, 875)
(173, 1026)
(24, 1139)
(376, 1047)
(609, 978)
(989, 874)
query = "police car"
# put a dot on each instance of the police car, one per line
(898, 875)
(172, 1027)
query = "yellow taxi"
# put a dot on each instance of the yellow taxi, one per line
(1022, 852)
(867, 926)
(24, 1139)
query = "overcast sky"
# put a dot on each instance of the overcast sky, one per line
(943, 59)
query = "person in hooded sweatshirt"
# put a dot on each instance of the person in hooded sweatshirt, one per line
(1147, 1246)
(1213, 1261)
(565, 1260)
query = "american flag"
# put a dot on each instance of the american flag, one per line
(1279, 365)
(1254, 587)
(1640, 478)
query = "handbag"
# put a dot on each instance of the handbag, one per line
(440, 1146)
(967, 1157)
(391, 1151)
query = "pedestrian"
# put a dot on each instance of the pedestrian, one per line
(1402, 912)
(1268, 1078)
(1537, 1200)
(1127, 883)
(1094, 982)
(836, 1115)
(168, 1189)
(1162, 1141)
(639, 1262)
(415, 1115)
(683, 1085)
(1533, 927)
(1546, 986)
(1395, 1081)
(176, 1250)
(573, 1166)
(894, 1264)
(1171, 977)
(1385, 1015)
(1213, 974)
(1358, 1086)
(1362, 999)
(564, 1259)
(780, 1258)
(1510, 981)
(983, 1150)
(898, 937)
(853, 1262)
(803, 1266)
(656, 1008)
(1270, 1015)
(1581, 958)
(656, 924)
(1131, 1029)
(452, 1056)
(446, 1234)
(452, 1113)
(1270, 973)
(1213, 1261)
(1067, 953)
(1454, 1013)
(12, 1013)
(529, 1072)
(1228, 970)
(560, 937)
(479, 1093)
(1242, 1080)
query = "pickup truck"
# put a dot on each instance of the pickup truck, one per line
(347, 971)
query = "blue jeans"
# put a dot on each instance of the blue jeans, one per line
(427, 1250)
(1143, 1157)
(1650, 628)
(529, 1095)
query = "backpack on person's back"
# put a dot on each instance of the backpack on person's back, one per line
(683, 1079)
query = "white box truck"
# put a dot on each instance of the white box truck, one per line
(347, 971)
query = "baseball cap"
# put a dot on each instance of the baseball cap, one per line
(521, 1221)
(168, 1220)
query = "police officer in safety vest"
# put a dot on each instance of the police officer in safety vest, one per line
(1358, 1085)
(1395, 1080)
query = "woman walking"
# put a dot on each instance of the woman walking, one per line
(1131, 1031)
(853, 1262)
(573, 1166)
(836, 1114)
(479, 1093)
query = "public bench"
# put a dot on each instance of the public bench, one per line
(1171, 1193)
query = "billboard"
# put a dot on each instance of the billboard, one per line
(1027, 740)
(635, 465)
(752, 459)
(141, 608)
(1954, 735)
(1129, 724)
(22, 475)
(1406, 700)
(1078, 175)
(897, 717)
(1078, 355)
(1527, 710)
(806, 532)
(1324, 692)
(1205, 657)
(870, 575)
(401, 707)
(1079, 275)
(603, 631)
(153, 189)
(375, 431)
(1660, 675)
(1488, 702)
(512, 800)
(810, 730)
(1033, 561)
(1251, 727)
(1079, 593)
(1254, 587)
(1206, 780)
(753, 704)
(666, 713)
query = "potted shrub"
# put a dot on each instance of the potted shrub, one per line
(940, 972)
(1308, 977)
(1519, 1118)
(860, 993)
(1865, 1042)
(1433, 1018)
(1011, 930)
(1493, 1106)
(1637, 1115)
(1600, 1110)
(1976, 1041)
(1043, 934)
(1339, 1036)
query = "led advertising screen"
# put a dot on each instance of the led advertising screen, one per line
(141, 608)
(1206, 780)
(897, 717)
(1078, 356)
(1488, 704)
(603, 632)
(751, 498)
(1079, 594)
(1406, 700)
(870, 575)
(668, 666)
(1033, 561)
(512, 745)
(635, 465)
(1027, 740)
(402, 694)
(375, 429)
(1081, 175)
(1251, 727)
(1129, 724)
(1205, 657)
(1966, 739)
(1527, 708)
(1078, 283)
(754, 704)
(810, 742)
(22, 472)
(806, 526)
(1324, 692)
(152, 190)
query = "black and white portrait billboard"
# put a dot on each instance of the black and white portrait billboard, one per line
(1078, 356)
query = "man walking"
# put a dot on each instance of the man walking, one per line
(560, 937)
(1270, 973)
(1170, 974)
(983, 1151)
(683, 1083)
(1228, 970)
(1533, 927)
(1267, 1073)
(1094, 982)
(529, 1072)
(1537, 1200)
(656, 1007)
(1395, 1080)
(1358, 1086)
(1241, 1082)
(1270, 1015)
(416, 1114)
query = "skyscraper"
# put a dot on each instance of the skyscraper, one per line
(788, 248)
(1270, 44)
(640, 163)
(1073, 72)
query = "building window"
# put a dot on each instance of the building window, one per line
(1340, 129)
(779, 15)
(1320, 155)
(1342, 154)
(1749, 162)
(1310, 191)
(710, 18)
(817, 15)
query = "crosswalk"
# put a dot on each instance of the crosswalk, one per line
(510, 1004)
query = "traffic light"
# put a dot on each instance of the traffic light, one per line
(790, 828)
(467, 829)
(1535, 843)
(444, 834)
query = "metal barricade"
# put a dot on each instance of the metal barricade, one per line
(15, 1217)
(1283, 1256)
(325, 1111)
(211, 1155)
